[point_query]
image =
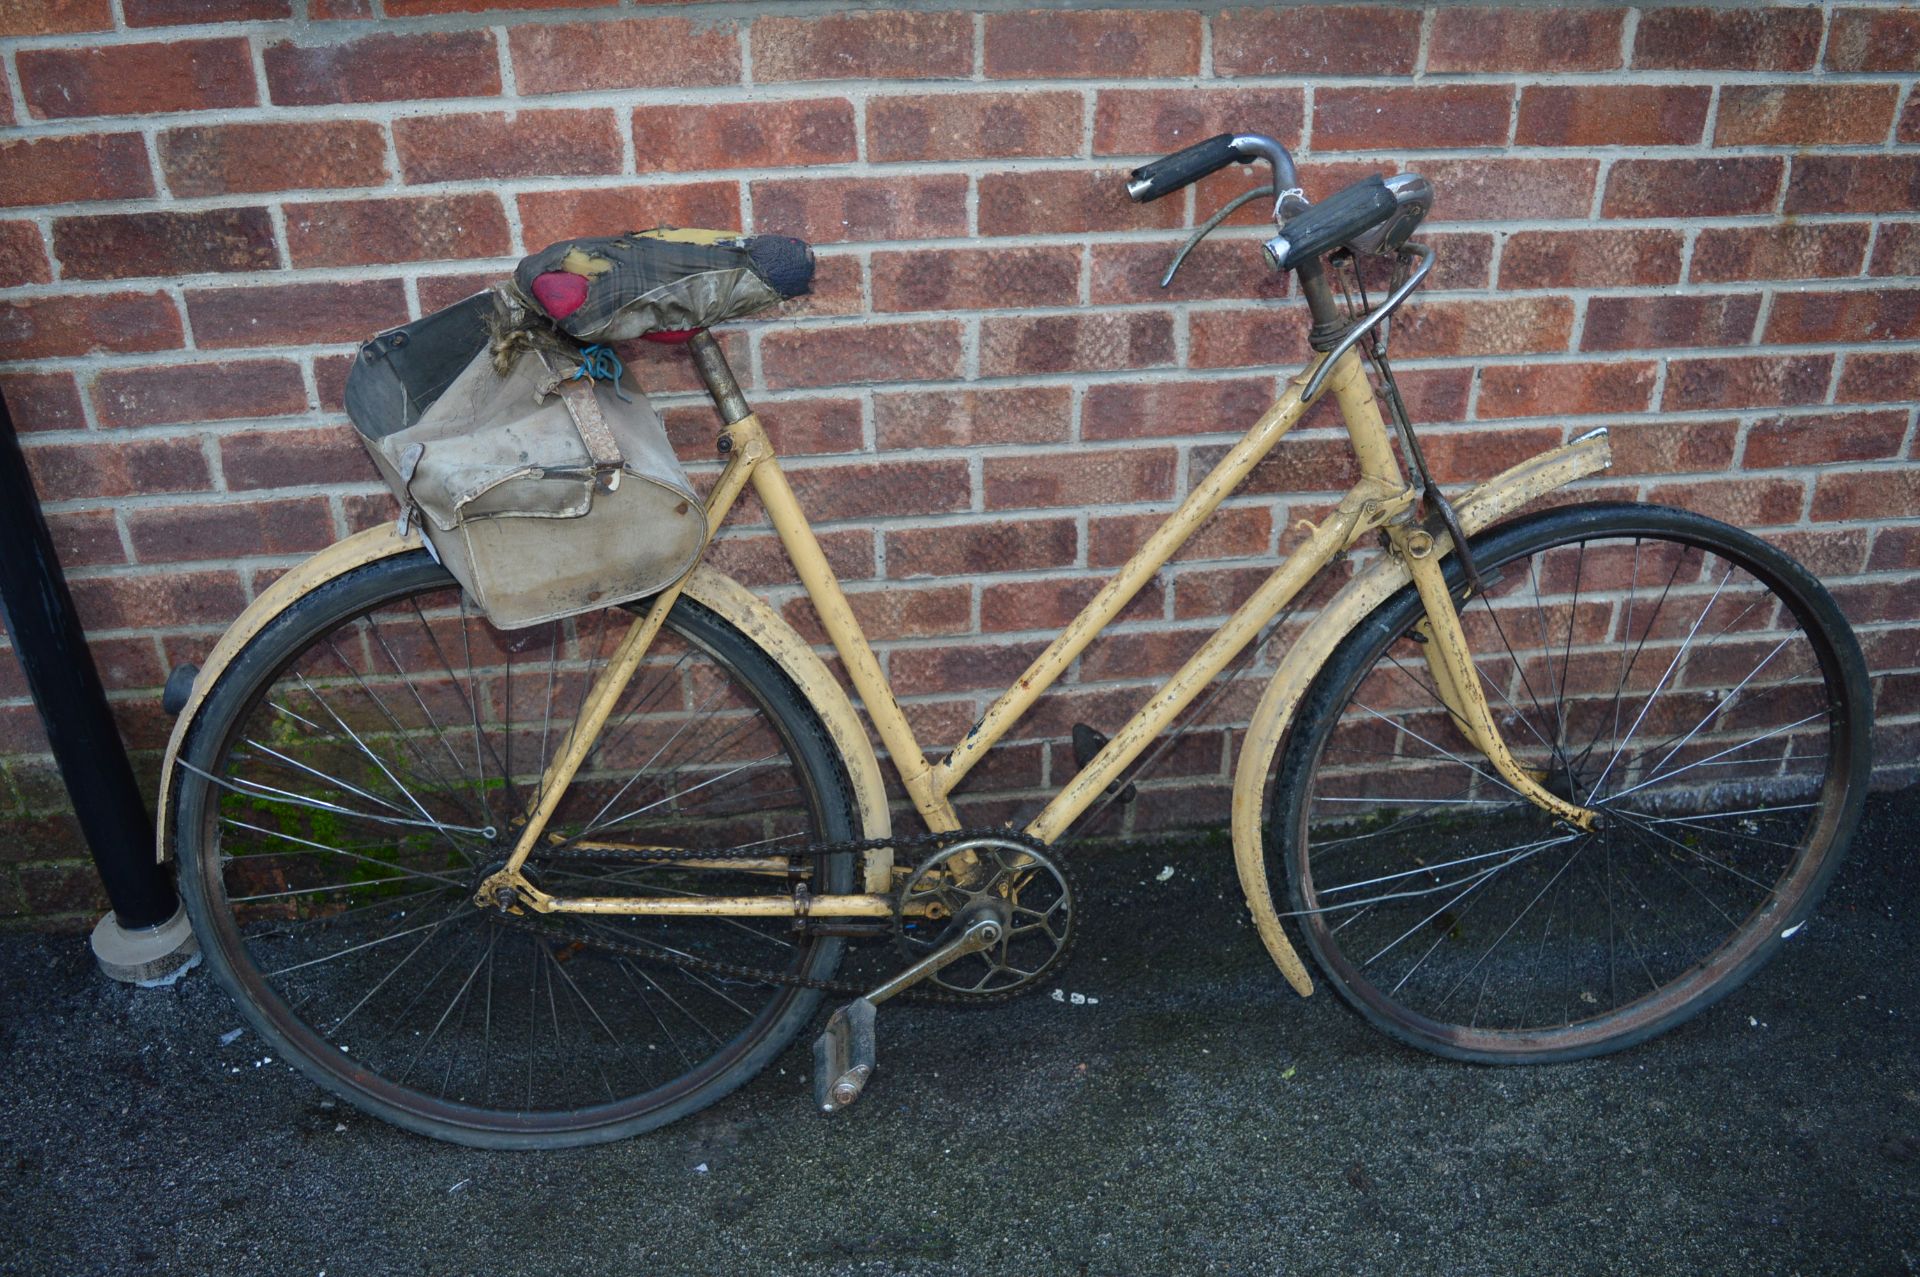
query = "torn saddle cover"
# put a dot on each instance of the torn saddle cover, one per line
(614, 288)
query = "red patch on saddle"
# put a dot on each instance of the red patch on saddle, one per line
(672, 336)
(560, 292)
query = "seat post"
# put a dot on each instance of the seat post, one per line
(718, 376)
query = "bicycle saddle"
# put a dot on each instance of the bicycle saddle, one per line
(665, 280)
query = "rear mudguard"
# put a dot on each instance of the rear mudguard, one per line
(1493, 500)
(715, 590)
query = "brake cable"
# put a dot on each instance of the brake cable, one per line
(1212, 224)
(1375, 346)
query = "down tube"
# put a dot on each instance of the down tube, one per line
(1120, 589)
(1179, 691)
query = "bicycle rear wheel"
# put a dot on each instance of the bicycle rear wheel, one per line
(1688, 680)
(366, 761)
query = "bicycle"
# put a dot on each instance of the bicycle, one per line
(1540, 786)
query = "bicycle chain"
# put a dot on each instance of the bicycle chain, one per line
(714, 966)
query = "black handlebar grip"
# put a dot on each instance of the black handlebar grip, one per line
(1171, 172)
(1334, 221)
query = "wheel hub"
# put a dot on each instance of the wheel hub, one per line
(492, 891)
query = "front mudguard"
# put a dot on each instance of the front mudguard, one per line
(1493, 500)
(715, 590)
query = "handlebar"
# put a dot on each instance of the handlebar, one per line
(1184, 167)
(1372, 213)
(1332, 222)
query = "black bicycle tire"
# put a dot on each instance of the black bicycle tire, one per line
(1815, 610)
(315, 614)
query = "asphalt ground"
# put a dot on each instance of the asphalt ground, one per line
(1196, 1118)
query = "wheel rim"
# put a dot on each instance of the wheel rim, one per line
(1459, 916)
(372, 781)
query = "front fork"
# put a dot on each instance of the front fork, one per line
(1457, 679)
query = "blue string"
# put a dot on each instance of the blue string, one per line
(599, 363)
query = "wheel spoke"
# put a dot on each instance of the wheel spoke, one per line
(1440, 752)
(1659, 687)
(1705, 860)
(458, 994)
(433, 723)
(324, 777)
(1518, 918)
(594, 824)
(439, 779)
(393, 971)
(1445, 864)
(1731, 749)
(256, 789)
(392, 870)
(444, 920)
(661, 802)
(439, 827)
(1720, 704)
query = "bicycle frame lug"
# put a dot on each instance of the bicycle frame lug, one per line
(501, 897)
(1370, 512)
(509, 891)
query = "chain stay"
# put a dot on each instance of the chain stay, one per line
(715, 967)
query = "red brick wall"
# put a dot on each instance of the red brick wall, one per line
(1694, 225)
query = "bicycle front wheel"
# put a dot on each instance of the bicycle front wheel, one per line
(369, 758)
(1689, 681)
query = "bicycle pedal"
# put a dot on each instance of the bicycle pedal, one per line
(1089, 741)
(843, 1056)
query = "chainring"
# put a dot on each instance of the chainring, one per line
(1002, 874)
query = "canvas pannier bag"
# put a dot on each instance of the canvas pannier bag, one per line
(545, 494)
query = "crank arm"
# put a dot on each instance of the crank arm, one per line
(984, 933)
(843, 1056)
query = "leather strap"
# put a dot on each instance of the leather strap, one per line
(409, 462)
(584, 407)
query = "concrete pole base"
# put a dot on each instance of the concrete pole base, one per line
(149, 958)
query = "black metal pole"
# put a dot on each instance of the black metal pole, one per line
(66, 689)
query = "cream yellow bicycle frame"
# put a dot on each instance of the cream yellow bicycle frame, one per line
(1381, 499)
